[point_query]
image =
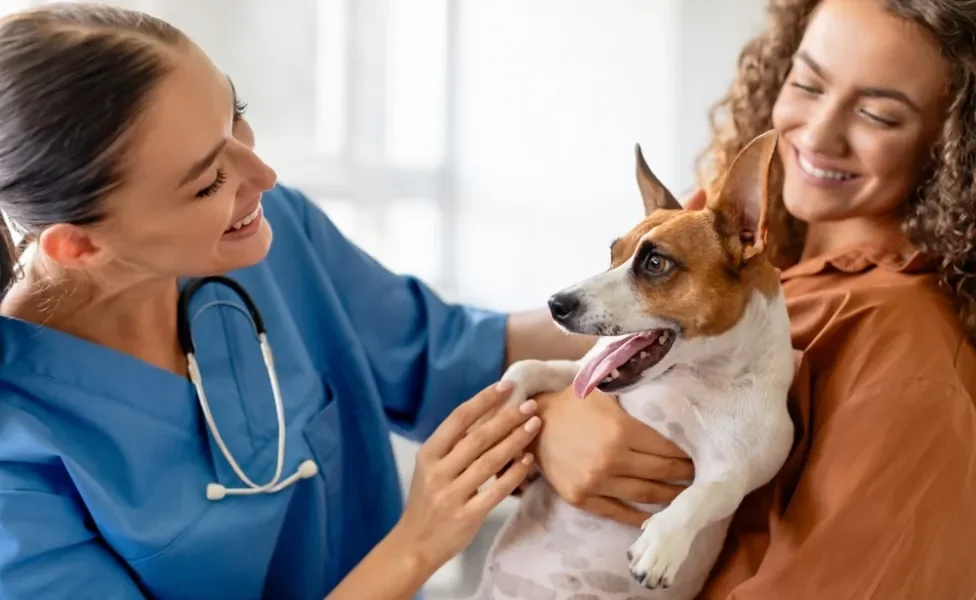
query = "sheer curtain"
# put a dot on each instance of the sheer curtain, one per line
(350, 103)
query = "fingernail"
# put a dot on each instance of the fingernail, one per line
(528, 407)
(532, 425)
(527, 459)
(504, 386)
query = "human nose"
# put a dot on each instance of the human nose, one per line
(263, 176)
(254, 170)
(824, 132)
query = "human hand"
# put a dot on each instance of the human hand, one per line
(445, 508)
(595, 455)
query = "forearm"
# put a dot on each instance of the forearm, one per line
(533, 334)
(391, 571)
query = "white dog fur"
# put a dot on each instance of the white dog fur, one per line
(722, 399)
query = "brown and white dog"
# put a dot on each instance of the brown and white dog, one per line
(695, 342)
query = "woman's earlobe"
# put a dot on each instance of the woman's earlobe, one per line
(71, 247)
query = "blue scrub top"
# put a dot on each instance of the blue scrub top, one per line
(105, 459)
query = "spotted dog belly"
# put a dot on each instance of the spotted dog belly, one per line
(550, 550)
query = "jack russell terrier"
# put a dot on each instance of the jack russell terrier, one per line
(695, 342)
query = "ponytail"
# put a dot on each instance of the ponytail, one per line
(9, 257)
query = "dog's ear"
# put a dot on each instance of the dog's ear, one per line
(743, 198)
(653, 192)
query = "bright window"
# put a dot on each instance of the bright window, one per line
(350, 103)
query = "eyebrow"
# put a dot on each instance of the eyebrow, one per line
(869, 92)
(204, 163)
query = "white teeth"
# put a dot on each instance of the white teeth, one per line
(644, 354)
(248, 219)
(614, 374)
(809, 169)
(663, 338)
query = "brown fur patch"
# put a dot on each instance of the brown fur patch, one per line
(719, 252)
(710, 287)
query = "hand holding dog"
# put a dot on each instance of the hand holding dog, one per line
(596, 455)
(445, 508)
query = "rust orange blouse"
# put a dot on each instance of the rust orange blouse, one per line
(878, 498)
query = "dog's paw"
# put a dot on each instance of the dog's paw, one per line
(658, 553)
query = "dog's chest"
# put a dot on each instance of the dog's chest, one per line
(672, 409)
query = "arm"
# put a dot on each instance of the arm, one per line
(426, 355)
(533, 334)
(884, 506)
(391, 571)
(450, 496)
(47, 551)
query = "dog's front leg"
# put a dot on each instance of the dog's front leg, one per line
(667, 536)
(533, 377)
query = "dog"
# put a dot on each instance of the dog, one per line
(694, 341)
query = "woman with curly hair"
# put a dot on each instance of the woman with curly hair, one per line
(873, 223)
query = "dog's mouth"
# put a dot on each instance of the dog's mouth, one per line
(623, 362)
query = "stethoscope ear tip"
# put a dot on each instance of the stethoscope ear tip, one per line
(307, 469)
(215, 491)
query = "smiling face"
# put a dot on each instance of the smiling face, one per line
(858, 113)
(189, 202)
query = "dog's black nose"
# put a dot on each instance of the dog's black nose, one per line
(563, 306)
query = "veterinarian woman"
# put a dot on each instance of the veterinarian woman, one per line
(873, 221)
(149, 447)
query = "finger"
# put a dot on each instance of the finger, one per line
(696, 201)
(487, 465)
(457, 423)
(613, 509)
(644, 438)
(629, 489)
(487, 499)
(645, 466)
(477, 441)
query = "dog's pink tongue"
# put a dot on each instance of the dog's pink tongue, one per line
(614, 355)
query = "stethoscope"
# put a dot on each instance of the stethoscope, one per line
(216, 491)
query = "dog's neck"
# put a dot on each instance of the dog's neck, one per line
(735, 353)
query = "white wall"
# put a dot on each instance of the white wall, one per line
(713, 33)
(552, 96)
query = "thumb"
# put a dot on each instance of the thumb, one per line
(696, 201)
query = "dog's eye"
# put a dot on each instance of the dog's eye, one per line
(655, 264)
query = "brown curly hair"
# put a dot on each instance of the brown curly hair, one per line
(940, 216)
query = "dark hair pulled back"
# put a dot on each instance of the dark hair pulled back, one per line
(74, 78)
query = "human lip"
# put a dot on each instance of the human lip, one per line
(246, 227)
(246, 220)
(821, 174)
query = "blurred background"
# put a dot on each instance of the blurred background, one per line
(484, 145)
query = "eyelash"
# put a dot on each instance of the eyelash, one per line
(239, 108)
(213, 187)
(874, 118)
